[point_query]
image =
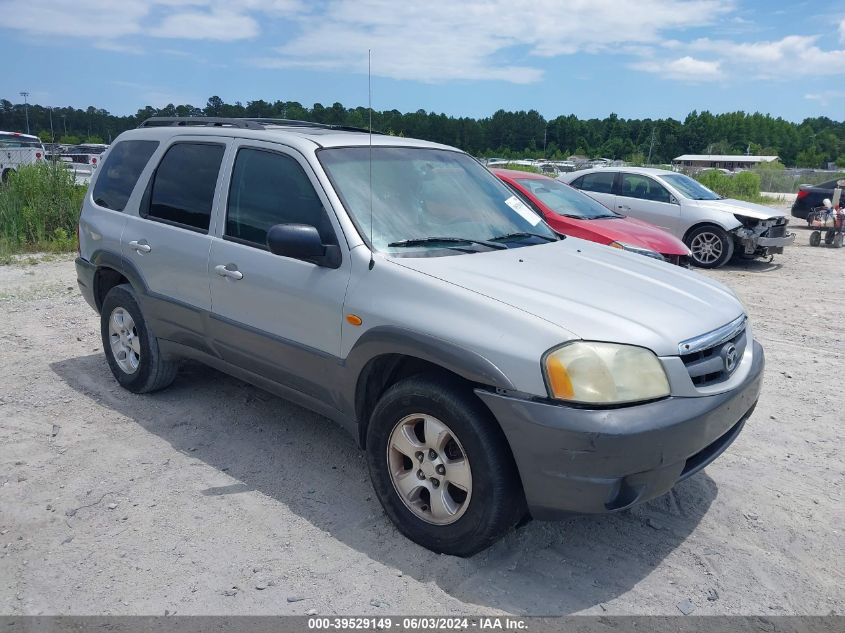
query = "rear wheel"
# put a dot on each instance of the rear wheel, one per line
(710, 246)
(837, 240)
(131, 349)
(815, 238)
(441, 466)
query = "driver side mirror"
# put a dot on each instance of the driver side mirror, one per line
(302, 241)
(673, 199)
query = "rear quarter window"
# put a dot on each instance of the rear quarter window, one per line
(120, 173)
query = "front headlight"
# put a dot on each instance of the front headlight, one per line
(639, 250)
(604, 373)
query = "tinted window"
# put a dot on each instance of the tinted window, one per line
(600, 182)
(564, 200)
(183, 186)
(636, 186)
(120, 173)
(267, 189)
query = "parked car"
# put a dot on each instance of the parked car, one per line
(86, 153)
(811, 196)
(570, 212)
(711, 226)
(491, 370)
(17, 150)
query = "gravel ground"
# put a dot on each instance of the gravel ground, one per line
(213, 497)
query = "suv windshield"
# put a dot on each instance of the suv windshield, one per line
(419, 194)
(564, 200)
(690, 188)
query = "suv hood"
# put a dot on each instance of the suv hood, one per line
(739, 207)
(593, 291)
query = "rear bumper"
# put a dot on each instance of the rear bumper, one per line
(575, 461)
(85, 280)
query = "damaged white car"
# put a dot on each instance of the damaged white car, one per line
(714, 228)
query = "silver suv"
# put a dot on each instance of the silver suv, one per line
(491, 370)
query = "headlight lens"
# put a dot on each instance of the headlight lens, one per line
(639, 250)
(604, 373)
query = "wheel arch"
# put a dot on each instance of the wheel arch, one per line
(383, 356)
(112, 270)
(709, 223)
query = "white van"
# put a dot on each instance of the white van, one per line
(18, 149)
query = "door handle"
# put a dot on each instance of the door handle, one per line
(231, 273)
(141, 247)
(624, 207)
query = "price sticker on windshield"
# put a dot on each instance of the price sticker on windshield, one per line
(522, 209)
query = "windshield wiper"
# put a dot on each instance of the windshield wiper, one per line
(501, 238)
(420, 241)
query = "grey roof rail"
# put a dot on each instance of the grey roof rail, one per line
(248, 123)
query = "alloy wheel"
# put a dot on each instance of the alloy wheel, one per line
(124, 341)
(429, 469)
(706, 247)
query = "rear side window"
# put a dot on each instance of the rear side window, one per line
(636, 186)
(270, 188)
(182, 189)
(120, 173)
(600, 182)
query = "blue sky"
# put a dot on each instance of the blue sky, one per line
(642, 58)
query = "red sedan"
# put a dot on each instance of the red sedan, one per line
(570, 212)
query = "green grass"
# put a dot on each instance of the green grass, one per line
(39, 211)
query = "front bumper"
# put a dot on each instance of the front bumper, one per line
(85, 271)
(775, 242)
(575, 461)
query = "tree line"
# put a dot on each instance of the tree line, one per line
(814, 142)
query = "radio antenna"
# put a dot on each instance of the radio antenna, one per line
(370, 107)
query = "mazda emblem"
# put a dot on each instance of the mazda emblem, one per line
(730, 357)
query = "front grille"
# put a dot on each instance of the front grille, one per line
(778, 230)
(709, 366)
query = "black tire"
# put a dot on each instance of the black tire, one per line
(6, 175)
(718, 238)
(152, 372)
(496, 503)
(829, 236)
(837, 240)
(815, 238)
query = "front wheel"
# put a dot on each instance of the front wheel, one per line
(837, 240)
(710, 246)
(441, 466)
(815, 238)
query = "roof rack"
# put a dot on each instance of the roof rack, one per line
(244, 123)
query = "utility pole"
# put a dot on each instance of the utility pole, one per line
(25, 94)
(52, 135)
(650, 148)
(545, 132)
(64, 122)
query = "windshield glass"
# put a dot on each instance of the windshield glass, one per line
(564, 200)
(420, 193)
(690, 188)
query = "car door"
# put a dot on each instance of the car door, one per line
(644, 198)
(598, 185)
(276, 316)
(167, 242)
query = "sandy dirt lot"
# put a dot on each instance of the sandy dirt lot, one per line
(213, 497)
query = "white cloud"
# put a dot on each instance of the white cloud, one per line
(107, 21)
(444, 40)
(212, 25)
(787, 58)
(842, 31)
(85, 18)
(683, 69)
